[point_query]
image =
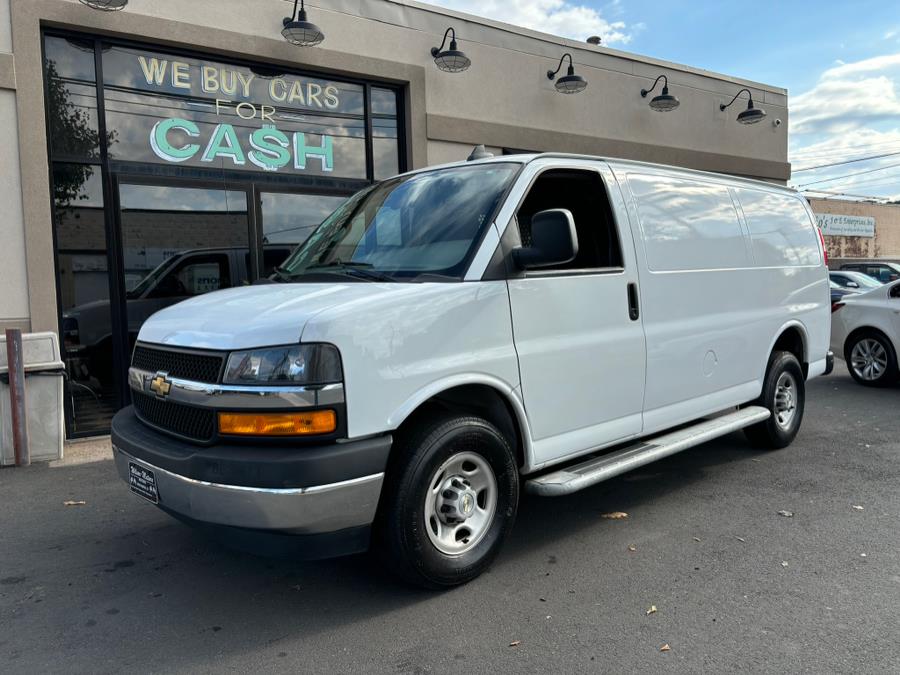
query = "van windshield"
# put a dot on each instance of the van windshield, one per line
(419, 227)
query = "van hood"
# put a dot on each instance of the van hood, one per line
(253, 316)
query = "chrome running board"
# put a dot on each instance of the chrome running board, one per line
(597, 469)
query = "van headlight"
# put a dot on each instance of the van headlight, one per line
(293, 364)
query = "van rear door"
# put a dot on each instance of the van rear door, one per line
(580, 345)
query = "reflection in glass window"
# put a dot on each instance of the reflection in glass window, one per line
(84, 295)
(688, 225)
(160, 223)
(385, 148)
(192, 274)
(780, 229)
(384, 101)
(290, 218)
(203, 113)
(427, 223)
(71, 98)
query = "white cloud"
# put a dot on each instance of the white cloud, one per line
(853, 112)
(558, 17)
(873, 65)
(837, 105)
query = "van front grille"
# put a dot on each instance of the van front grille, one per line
(197, 367)
(198, 424)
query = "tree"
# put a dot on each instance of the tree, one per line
(72, 134)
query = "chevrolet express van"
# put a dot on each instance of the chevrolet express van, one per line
(453, 336)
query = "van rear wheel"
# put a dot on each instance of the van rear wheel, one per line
(449, 501)
(784, 394)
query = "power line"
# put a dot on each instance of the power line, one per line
(833, 151)
(850, 175)
(849, 161)
(841, 154)
(877, 181)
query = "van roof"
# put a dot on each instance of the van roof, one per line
(527, 158)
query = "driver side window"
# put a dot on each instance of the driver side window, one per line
(584, 194)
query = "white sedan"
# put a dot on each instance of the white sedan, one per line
(865, 330)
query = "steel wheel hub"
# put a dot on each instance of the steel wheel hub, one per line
(456, 500)
(868, 359)
(460, 503)
(785, 400)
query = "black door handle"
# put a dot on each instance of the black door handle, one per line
(634, 312)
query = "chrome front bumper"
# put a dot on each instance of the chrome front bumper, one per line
(310, 510)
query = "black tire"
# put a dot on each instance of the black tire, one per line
(772, 434)
(890, 373)
(401, 538)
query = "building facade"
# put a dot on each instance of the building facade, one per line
(174, 148)
(856, 229)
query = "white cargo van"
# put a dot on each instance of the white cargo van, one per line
(453, 336)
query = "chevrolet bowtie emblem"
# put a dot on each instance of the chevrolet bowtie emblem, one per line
(160, 385)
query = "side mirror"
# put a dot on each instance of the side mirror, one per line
(852, 284)
(553, 240)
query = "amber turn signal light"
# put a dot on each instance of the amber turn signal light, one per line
(278, 424)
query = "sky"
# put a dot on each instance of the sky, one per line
(839, 61)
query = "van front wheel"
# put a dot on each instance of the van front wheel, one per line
(784, 394)
(449, 501)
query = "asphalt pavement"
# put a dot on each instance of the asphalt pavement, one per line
(116, 585)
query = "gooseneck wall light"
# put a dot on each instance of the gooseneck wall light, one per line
(663, 102)
(450, 60)
(751, 115)
(299, 31)
(570, 83)
(106, 5)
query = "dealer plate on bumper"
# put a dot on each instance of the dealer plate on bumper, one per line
(143, 482)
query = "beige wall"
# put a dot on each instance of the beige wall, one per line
(5, 27)
(885, 243)
(503, 100)
(13, 281)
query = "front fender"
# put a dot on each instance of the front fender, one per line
(504, 389)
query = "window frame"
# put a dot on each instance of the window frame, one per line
(509, 242)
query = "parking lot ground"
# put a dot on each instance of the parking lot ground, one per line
(115, 584)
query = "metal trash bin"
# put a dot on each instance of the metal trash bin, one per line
(44, 373)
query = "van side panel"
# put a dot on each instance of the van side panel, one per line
(711, 312)
(783, 235)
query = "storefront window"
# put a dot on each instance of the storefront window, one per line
(84, 294)
(178, 243)
(198, 112)
(385, 140)
(71, 98)
(288, 220)
(208, 175)
(384, 102)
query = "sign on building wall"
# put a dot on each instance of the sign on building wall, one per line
(198, 112)
(837, 225)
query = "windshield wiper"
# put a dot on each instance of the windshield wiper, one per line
(280, 273)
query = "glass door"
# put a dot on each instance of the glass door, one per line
(178, 242)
